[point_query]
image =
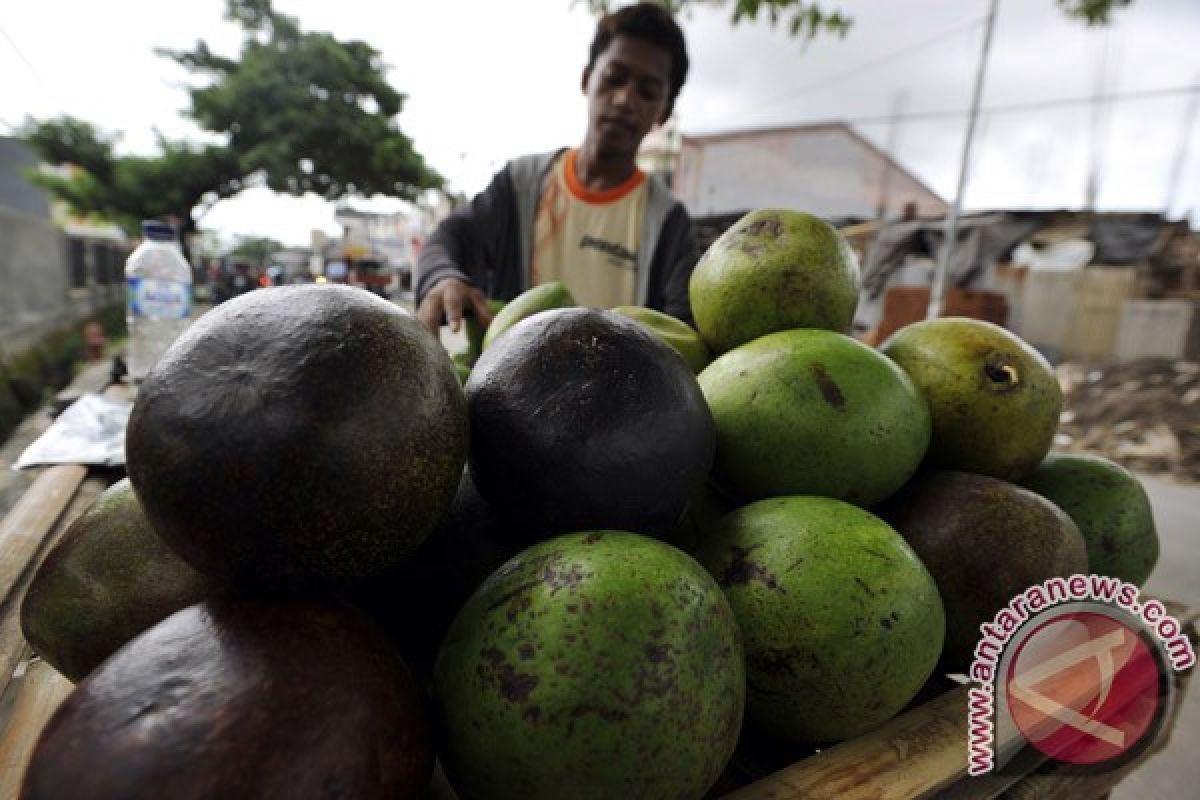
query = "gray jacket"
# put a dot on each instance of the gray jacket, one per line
(488, 241)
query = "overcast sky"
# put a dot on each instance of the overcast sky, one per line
(488, 80)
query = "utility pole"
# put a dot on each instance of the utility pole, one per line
(899, 101)
(1175, 176)
(951, 238)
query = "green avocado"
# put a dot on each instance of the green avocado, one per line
(462, 369)
(675, 332)
(1110, 507)
(813, 412)
(475, 334)
(108, 579)
(994, 400)
(774, 270)
(297, 437)
(242, 698)
(841, 621)
(595, 665)
(530, 302)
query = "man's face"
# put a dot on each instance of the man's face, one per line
(628, 91)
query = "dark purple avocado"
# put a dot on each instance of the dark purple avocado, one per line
(237, 698)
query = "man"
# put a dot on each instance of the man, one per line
(587, 216)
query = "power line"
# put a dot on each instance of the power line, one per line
(867, 66)
(1013, 108)
(20, 55)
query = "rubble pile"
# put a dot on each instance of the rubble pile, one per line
(1144, 414)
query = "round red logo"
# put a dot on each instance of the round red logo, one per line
(1084, 688)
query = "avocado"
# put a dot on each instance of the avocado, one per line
(1110, 507)
(530, 302)
(462, 369)
(416, 602)
(813, 412)
(583, 420)
(242, 698)
(841, 622)
(994, 400)
(301, 436)
(595, 665)
(705, 509)
(475, 333)
(675, 332)
(984, 541)
(774, 270)
(107, 579)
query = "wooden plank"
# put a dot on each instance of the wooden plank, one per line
(13, 648)
(917, 752)
(24, 528)
(42, 689)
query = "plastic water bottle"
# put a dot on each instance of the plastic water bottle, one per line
(158, 283)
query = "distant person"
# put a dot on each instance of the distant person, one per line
(586, 216)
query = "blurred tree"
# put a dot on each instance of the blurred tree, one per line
(298, 111)
(254, 249)
(810, 18)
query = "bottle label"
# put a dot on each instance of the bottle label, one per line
(159, 299)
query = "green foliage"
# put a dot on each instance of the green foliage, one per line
(1093, 12)
(254, 249)
(806, 18)
(801, 17)
(299, 111)
(128, 189)
(307, 111)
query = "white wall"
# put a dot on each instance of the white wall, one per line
(826, 171)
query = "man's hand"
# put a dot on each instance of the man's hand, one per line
(450, 296)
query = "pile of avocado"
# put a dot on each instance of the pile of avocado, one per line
(342, 554)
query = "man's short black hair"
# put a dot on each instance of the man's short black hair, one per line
(651, 23)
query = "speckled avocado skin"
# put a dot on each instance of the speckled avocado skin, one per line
(774, 270)
(298, 436)
(240, 698)
(583, 420)
(994, 400)
(1110, 507)
(108, 579)
(595, 666)
(842, 623)
(984, 541)
(814, 412)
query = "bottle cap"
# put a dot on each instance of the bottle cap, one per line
(158, 231)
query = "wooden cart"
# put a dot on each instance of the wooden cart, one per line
(920, 753)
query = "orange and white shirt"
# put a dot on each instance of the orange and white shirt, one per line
(588, 240)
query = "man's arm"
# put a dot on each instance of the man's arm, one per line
(454, 266)
(674, 260)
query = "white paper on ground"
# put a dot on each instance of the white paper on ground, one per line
(90, 431)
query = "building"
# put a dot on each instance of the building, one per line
(659, 153)
(1078, 285)
(55, 270)
(388, 241)
(828, 169)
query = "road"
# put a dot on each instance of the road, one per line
(1176, 771)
